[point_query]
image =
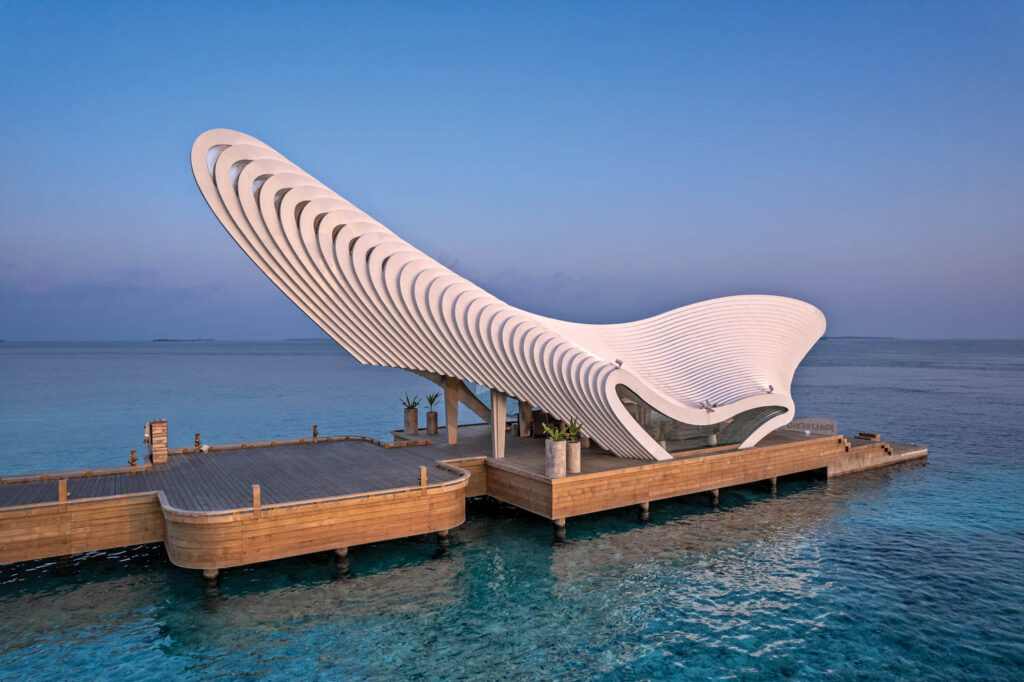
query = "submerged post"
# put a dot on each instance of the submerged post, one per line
(442, 542)
(65, 565)
(559, 530)
(451, 409)
(341, 560)
(498, 403)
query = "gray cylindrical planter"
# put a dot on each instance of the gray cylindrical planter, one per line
(554, 451)
(412, 421)
(572, 457)
(712, 439)
(431, 423)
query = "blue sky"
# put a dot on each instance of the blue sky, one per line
(592, 161)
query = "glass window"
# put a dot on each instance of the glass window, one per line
(677, 436)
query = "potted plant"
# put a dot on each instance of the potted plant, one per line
(432, 414)
(554, 452)
(572, 448)
(412, 414)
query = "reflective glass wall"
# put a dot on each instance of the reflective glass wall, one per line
(676, 436)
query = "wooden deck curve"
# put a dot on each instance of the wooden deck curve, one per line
(345, 491)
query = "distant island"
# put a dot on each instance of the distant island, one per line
(873, 338)
(179, 340)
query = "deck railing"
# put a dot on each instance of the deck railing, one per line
(293, 441)
(135, 468)
(74, 473)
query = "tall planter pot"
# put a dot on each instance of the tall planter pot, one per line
(431, 423)
(412, 421)
(572, 457)
(554, 464)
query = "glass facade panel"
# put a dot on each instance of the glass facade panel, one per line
(676, 436)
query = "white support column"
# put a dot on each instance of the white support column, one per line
(525, 419)
(451, 408)
(498, 401)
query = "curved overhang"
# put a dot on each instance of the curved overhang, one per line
(389, 304)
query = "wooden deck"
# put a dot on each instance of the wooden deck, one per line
(609, 482)
(237, 506)
(224, 479)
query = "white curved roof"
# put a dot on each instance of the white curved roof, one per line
(390, 304)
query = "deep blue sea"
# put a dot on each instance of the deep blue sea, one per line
(914, 572)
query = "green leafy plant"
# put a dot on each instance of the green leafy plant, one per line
(553, 433)
(572, 430)
(432, 398)
(409, 403)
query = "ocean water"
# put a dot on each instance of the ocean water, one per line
(912, 572)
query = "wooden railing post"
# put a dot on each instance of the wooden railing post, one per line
(132, 459)
(62, 494)
(256, 500)
(423, 477)
(198, 441)
(314, 433)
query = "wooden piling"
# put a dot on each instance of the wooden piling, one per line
(645, 512)
(65, 565)
(341, 561)
(157, 430)
(442, 542)
(559, 530)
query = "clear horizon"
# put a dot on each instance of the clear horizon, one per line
(327, 339)
(596, 162)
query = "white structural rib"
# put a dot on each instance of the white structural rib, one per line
(390, 304)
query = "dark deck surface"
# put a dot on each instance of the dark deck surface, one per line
(290, 473)
(224, 479)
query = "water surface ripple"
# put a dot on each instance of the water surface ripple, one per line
(912, 572)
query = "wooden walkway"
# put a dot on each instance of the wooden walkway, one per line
(224, 479)
(242, 505)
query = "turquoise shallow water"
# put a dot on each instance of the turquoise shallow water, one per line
(912, 572)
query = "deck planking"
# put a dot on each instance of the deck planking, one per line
(224, 479)
(344, 493)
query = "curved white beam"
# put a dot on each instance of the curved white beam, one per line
(390, 304)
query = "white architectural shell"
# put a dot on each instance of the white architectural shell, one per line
(390, 304)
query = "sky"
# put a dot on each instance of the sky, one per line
(592, 161)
